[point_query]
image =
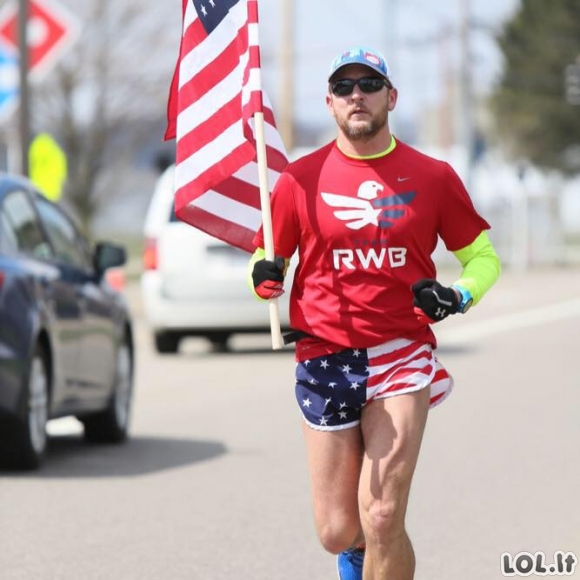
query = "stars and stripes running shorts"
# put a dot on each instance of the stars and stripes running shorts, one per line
(333, 389)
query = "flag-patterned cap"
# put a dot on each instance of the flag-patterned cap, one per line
(361, 55)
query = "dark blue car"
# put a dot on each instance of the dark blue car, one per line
(66, 343)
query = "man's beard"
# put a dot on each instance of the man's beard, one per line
(364, 131)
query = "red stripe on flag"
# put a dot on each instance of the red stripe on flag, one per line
(213, 175)
(254, 56)
(193, 36)
(276, 161)
(238, 190)
(269, 116)
(172, 107)
(254, 105)
(253, 11)
(171, 131)
(215, 226)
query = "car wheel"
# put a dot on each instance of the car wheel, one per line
(112, 424)
(166, 342)
(28, 435)
(219, 341)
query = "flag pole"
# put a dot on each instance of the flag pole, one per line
(260, 135)
(277, 342)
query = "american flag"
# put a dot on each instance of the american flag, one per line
(216, 91)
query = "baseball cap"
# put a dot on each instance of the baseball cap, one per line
(361, 55)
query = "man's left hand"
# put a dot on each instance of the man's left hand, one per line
(434, 299)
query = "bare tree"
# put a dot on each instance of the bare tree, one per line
(112, 82)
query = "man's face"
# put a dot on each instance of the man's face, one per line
(360, 116)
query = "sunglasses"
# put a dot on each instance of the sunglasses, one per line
(344, 87)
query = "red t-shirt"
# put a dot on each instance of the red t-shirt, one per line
(365, 231)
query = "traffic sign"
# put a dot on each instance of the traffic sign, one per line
(51, 30)
(8, 82)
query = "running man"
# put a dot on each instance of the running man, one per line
(365, 213)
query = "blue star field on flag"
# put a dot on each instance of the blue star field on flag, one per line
(212, 12)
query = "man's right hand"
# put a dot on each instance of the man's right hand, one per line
(268, 278)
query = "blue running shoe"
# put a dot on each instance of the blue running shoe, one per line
(350, 564)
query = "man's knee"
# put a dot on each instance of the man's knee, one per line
(336, 536)
(383, 520)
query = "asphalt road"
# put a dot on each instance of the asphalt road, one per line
(213, 483)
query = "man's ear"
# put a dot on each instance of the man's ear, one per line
(329, 105)
(393, 96)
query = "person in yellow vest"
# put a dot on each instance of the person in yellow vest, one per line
(47, 166)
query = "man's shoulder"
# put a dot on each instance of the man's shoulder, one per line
(413, 154)
(310, 161)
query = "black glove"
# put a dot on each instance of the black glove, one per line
(268, 278)
(435, 300)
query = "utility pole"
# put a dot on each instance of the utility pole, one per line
(390, 25)
(446, 125)
(24, 116)
(390, 8)
(467, 123)
(286, 99)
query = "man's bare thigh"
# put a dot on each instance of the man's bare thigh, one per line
(392, 431)
(334, 459)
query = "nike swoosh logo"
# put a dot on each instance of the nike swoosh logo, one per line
(403, 178)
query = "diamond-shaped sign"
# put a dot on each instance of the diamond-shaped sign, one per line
(51, 29)
(8, 82)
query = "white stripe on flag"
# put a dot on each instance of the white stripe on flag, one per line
(190, 16)
(253, 34)
(229, 209)
(253, 84)
(249, 174)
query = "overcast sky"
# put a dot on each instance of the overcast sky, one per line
(405, 31)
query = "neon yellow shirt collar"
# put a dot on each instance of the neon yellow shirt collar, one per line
(392, 145)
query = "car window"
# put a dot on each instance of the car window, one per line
(69, 246)
(20, 218)
(8, 240)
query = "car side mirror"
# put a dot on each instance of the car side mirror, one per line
(107, 256)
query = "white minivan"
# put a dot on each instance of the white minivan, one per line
(194, 284)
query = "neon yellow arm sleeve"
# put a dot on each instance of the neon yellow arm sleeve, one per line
(481, 267)
(259, 254)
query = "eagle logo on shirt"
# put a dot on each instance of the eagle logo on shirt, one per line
(368, 208)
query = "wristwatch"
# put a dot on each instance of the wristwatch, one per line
(466, 298)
